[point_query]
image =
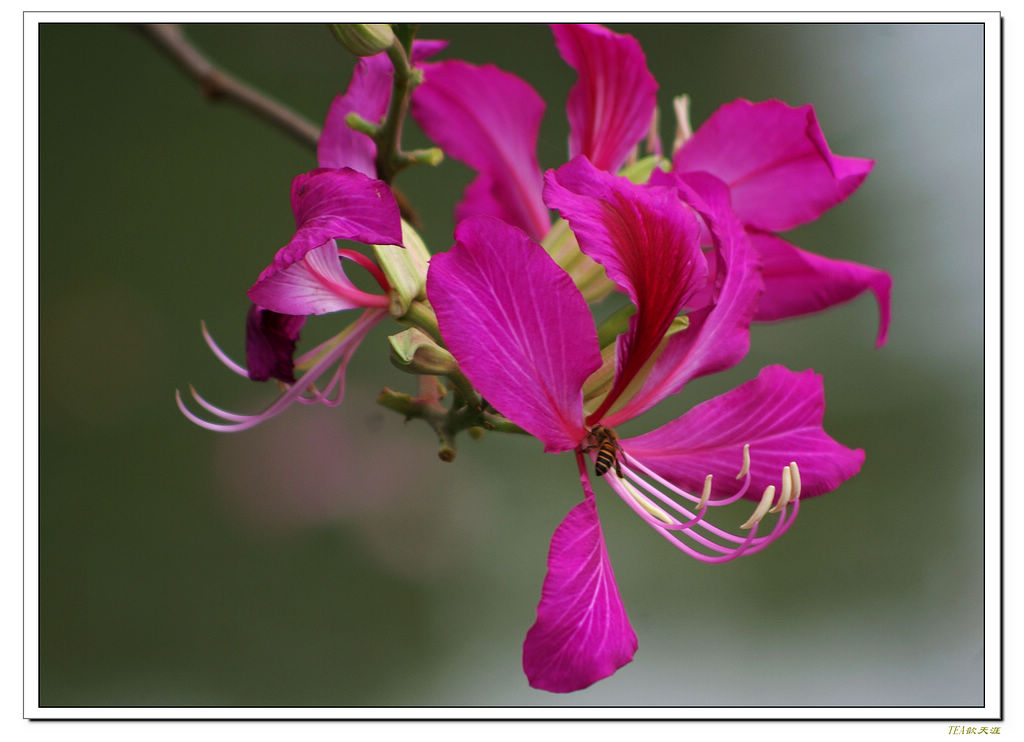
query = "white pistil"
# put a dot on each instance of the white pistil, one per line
(787, 490)
(684, 130)
(762, 507)
(646, 504)
(706, 494)
(796, 480)
(746, 462)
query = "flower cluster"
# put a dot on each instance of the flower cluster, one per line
(689, 238)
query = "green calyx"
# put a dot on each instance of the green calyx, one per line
(415, 351)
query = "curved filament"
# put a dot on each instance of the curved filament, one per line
(303, 390)
(691, 532)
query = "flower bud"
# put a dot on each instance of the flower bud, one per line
(415, 351)
(405, 268)
(363, 39)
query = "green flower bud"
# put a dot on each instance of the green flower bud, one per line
(363, 39)
(415, 351)
(405, 268)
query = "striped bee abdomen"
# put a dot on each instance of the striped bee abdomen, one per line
(607, 444)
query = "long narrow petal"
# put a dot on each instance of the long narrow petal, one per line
(270, 339)
(648, 243)
(488, 119)
(718, 336)
(518, 327)
(774, 158)
(611, 104)
(368, 94)
(779, 414)
(582, 633)
(797, 282)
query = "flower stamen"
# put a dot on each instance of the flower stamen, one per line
(762, 507)
(706, 494)
(745, 469)
(682, 531)
(221, 355)
(371, 267)
(340, 354)
(787, 490)
(645, 503)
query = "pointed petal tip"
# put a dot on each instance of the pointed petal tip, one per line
(582, 633)
(556, 685)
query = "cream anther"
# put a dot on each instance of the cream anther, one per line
(746, 462)
(787, 490)
(706, 494)
(762, 507)
(646, 504)
(796, 480)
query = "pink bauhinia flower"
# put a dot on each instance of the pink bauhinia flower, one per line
(773, 159)
(306, 277)
(524, 336)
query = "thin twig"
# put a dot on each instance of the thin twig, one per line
(217, 84)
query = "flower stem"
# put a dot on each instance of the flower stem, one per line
(446, 423)
(390, 136)
(421, 315)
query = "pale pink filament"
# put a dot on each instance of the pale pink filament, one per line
(677, 531)
(221, 355)
(306, 384)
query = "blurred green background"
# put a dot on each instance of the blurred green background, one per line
(329, 558)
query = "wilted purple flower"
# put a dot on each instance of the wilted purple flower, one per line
(306, 277)
(522, 333)
(340, 200)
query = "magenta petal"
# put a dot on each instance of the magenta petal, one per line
(775, 160)
(270, 340)
(582, 633)
(488, 119)
(328, 205)
(518, 327)
(647, 241)
(798, 282)
(316, 284)
(718, 336)
(779, 414)
(342, 204)
(368, 94)
(611, 105)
